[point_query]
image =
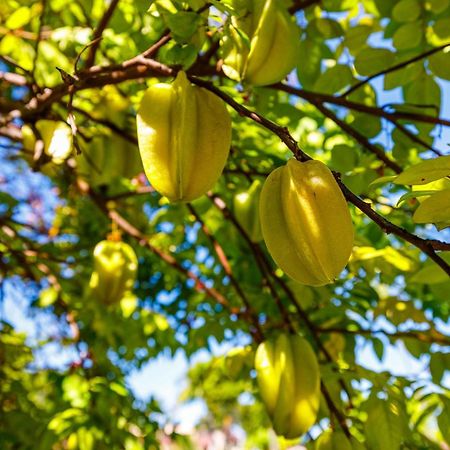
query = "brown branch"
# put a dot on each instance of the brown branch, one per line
(428, 246)
(422, 336)
(38, 41)
(360, 138)
(149, 66)
(99, 32)
(13, 78)
(299, 5)
(108, 124)
(372, 110)
(334, 410)
(394, 68)
(414, 138)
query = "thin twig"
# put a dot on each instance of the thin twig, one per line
(99, 32)
(393, 68)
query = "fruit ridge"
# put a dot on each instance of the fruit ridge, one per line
(115, 270)
(306, 223)
(184, 136)
(288, 378)
(272, 51)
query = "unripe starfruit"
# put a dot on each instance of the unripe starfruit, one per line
(306, 223)
(184, 135)
(271, 51)
(115, 269)
(288, 377)
(246, 209)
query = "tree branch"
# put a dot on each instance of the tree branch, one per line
(394, 68)
(96, 38)
(257, 333)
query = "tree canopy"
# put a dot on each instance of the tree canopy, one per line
(367, 95)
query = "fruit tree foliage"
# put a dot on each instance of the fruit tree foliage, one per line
(368, 96)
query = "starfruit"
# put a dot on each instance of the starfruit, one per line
(306, 223)
(184, 135)
(246, 209)
(115, 269)
(288, 378)
(261, 45)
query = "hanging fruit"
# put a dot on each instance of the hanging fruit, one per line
(269, 51)
(306, 223)
(288, 377)
(115, 270)
(184, 135)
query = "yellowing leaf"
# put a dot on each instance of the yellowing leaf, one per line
(425, 172)
(434, 209)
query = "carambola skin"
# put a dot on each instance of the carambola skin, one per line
(115, 270)
(306, 223)
(272, 51)
(184, 135)
(288, 378)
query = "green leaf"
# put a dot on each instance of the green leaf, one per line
(439, 64)
(403, 76)
(310, 58)
(378, 348)
(425, 172)
(424, 92)
(434, 209)
(441, 29)
(437, 6)
(328, 28)
(407, 11)
(356, 37)
(408, 36)
(367, 125)
(431, 273)
(385, 424)
(183, 24)
(343, 158)
(443, 421)
(372, 60)
(334, 79)
(382, 180)
(439, 364)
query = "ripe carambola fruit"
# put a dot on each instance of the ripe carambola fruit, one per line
(288, 377)
(184, 135)
(305, 222)
(273, 37)
(246, 209)
(115, 269)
